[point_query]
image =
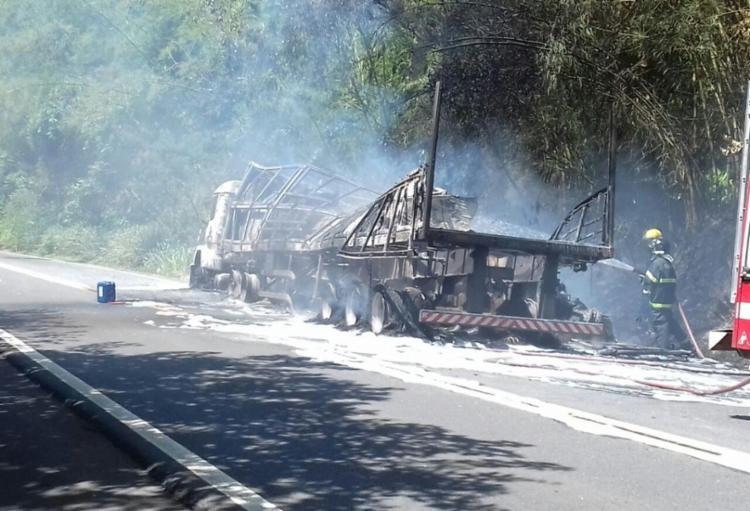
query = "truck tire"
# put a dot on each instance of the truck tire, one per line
(413, 299)
(193, 278)
(354, 307)
(198, 274)
(199, 277)
(379, 313)
(252, 287)
(222, 281)
(327, 305)
(237, 285)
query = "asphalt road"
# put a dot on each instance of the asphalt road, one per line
(316, 418)
(51, 459)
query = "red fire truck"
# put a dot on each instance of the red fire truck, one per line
(738, 337)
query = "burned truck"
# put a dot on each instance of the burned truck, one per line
(260, 242)
(406, 259)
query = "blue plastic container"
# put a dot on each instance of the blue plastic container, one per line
(105, 292)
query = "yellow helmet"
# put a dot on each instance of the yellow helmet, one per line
(652, 234)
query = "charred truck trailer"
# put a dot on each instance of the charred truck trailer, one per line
(405, 259)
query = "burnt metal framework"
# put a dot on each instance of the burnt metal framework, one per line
(281, 208)
(561, 246)
(388, 226)
(580, 238)
(296, 228)
(392, 226)
(587, 222)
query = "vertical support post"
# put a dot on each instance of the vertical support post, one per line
(549, 285)
(316, 288)
(429, 179)
(476, 292)
(609, 235)
(741, 234)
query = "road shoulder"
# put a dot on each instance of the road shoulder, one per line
(51, 459)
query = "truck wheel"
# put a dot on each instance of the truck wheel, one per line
(353, 307)
(416, 297)
(378, 313)
(222, 281)
(326, 310)
(195, 279)
(326, 301)
(413, 299)
(198, 275)
(236, 287)
(252, 287)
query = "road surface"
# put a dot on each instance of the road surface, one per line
(51, 459)
(313, 417)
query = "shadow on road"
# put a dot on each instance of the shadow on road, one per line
(306, 434)
(49, 459)
(49, 324)
(303, 433)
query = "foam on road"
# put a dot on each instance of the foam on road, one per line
(414, 360)
(590, 372)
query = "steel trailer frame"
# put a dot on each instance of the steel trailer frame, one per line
(409, 258)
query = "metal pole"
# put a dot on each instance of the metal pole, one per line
(612, 170)
(548, 288)
(429, 179)
(741, 198)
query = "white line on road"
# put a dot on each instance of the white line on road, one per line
(43, 276)
(157, 282)
(576, 419)
(234, 490)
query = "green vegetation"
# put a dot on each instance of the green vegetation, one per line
(119, 117)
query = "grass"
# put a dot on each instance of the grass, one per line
(140, 248)
(169, 259)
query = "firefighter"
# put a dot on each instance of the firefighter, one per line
(660, 285)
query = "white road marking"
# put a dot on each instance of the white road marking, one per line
(155, 281)
(576, 419)
(158, 283)
(234, 490)
(147, 288)
(44, 276)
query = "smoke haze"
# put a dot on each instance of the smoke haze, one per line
(120, 118)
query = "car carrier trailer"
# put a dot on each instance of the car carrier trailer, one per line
(405, 259)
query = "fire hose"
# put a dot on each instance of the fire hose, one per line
(721, 390)
(663, 386)
(713, 392)
(624, 266)
(648, 363)
(690, 332)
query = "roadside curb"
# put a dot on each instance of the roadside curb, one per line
(177, 477)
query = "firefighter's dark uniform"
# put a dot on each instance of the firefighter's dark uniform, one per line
(660, 284)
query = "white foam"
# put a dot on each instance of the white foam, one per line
(321, 342)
